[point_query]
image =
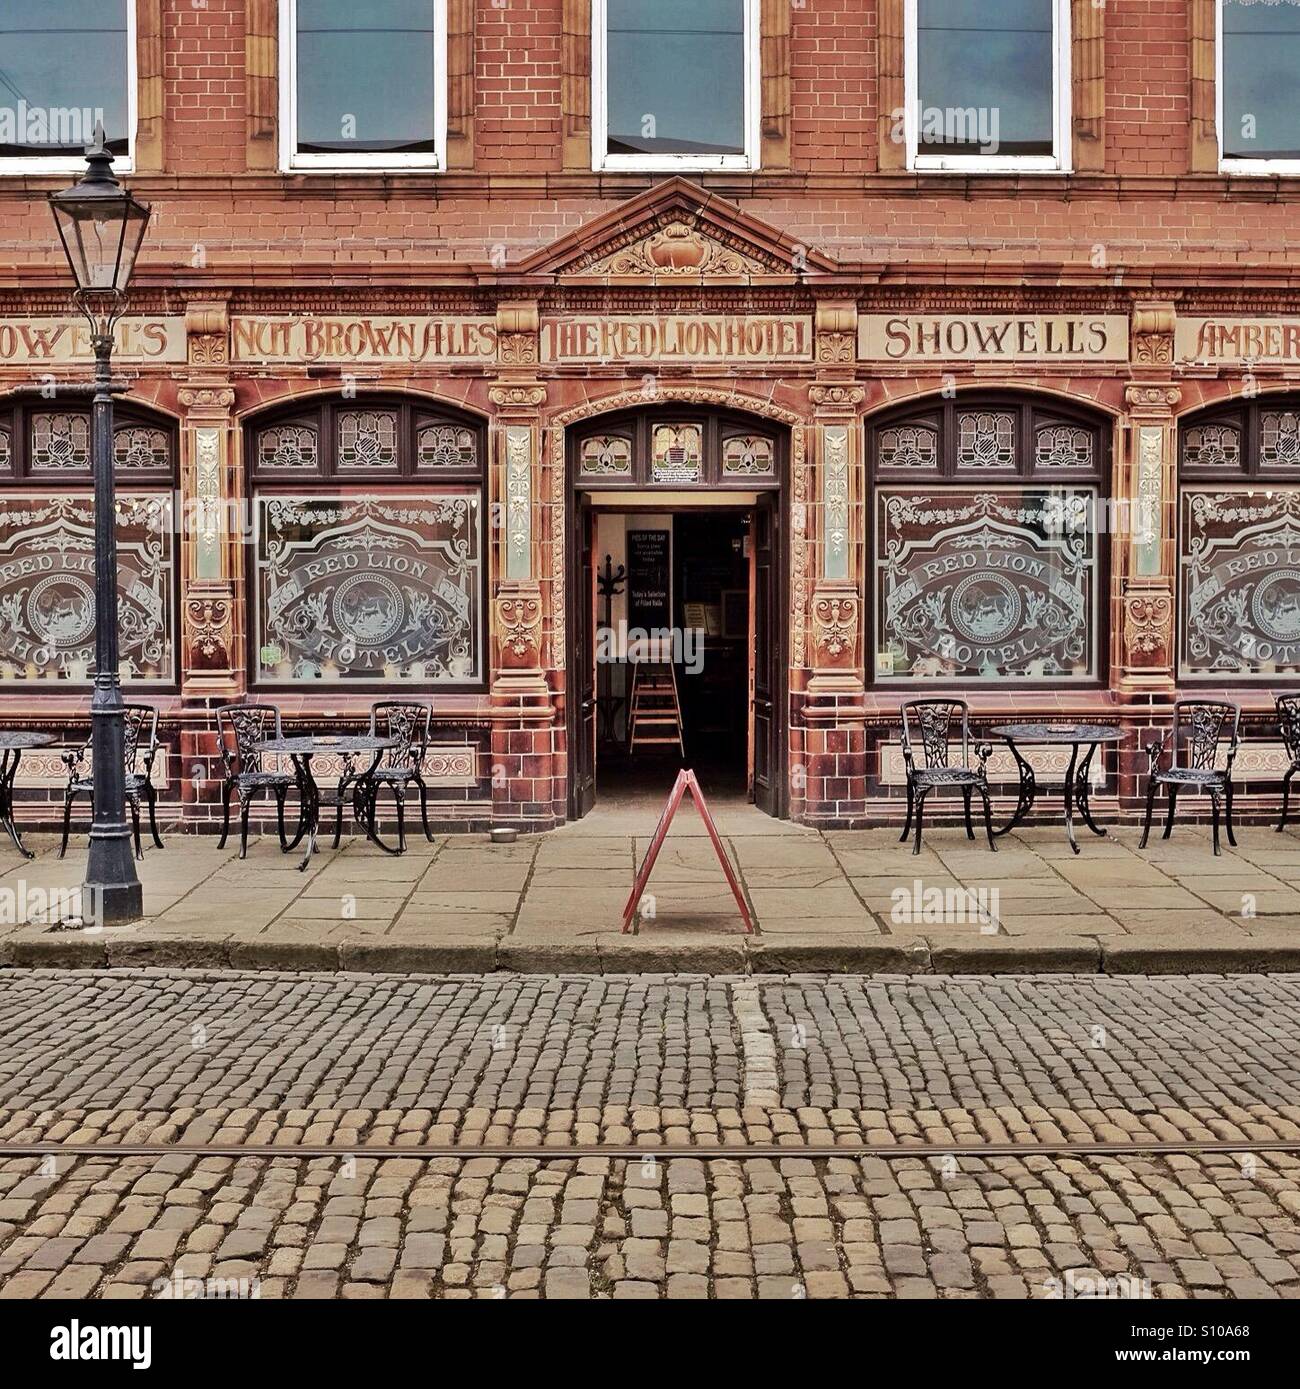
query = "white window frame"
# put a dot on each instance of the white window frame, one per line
(378, 161)
(75, 163)
(604, 162)
(1235, 164)
(1059, 162)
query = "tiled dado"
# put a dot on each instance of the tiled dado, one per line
(1049, 764)
(445, 764)
(42, 768)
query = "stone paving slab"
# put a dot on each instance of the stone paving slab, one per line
(841, 901)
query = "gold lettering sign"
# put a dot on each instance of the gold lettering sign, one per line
(1230, 341)
(678, 337)
(33, 341)
(993, 337)
(343, 338)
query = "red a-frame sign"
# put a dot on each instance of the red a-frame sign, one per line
(685, 782)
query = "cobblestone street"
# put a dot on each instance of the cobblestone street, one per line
(536, 1063)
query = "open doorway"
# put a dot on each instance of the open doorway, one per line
(677, 650)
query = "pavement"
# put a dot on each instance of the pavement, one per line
(702, 1068)
(851, 901)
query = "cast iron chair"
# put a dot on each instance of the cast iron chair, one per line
(401, 765)
(1288, 717)
(1200, 725)
(140, 747)
(240, 727)
(935, 720)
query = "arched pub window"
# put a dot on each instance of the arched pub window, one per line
(987, 551)
(47, 544)
(367, 560)
(1239, 541)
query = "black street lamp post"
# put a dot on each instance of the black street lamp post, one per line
(101, 227)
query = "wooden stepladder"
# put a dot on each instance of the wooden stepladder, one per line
(685, 782)
(656, 711)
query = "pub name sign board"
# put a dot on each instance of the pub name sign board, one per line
(993, 338)
(598, 339)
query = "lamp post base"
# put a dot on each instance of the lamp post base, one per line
(111, 893)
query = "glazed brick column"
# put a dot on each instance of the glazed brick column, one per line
(210, 551)
(1144, 551)
(524, 765)
(834, 732)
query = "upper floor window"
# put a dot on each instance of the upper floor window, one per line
(363, 86)
(988, 85)
(65, 66)
(1259, 86)
(675, 84)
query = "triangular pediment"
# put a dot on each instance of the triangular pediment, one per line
(677, 233)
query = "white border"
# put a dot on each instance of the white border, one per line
(377, 161)
(75, 164)
(1237, 165)
(1057, 163)
(604, 162)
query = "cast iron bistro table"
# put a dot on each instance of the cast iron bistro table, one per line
(12, 747)
(1074, 789)
(350, 746)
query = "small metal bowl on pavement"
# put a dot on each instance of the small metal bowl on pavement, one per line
(503, 834)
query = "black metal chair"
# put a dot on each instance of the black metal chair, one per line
(1200, 726)
(935, 721)
(140, 747)
(240, 727)
(1288, 718)
(403, 764)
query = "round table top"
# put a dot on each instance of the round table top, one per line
(1059, 732)
(310, 743)
(19, 740)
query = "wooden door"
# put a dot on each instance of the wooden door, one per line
(582, 760)
(765, 641)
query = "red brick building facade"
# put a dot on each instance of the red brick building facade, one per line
(898, 365)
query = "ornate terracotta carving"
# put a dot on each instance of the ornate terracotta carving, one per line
(835, 630)
(1151, 397)
(519, 630)
(207, 397)
(1153, 335)
(676, 250)
(209, 633)
(518, 397)
(829, 397)
(1148, 628)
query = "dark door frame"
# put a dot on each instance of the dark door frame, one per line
(577, 597)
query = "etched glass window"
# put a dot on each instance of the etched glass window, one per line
(676, 453)
(1279, 439)
(6, 450)
(139, 447)
(908, 446)
(288, 447)
(1260, 80)
(47, 588)
(60, 444)
(986, 439)
(444, 446)
(367, 440)
(1212, 446)
(747, 456)
(368, 82)
(1239, 589)
(981, 584)
(606, 455)
(675, 79)
(368, 590)
(1062, 446)
(66, 65)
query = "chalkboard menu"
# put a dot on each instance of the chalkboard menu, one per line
(647, 579)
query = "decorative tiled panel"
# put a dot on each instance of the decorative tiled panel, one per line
(1049, 763)
(43, 768)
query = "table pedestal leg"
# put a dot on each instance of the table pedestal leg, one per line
(1027, 791)
(310, 795)
(1068, 793)
(8, 771)
(1085, 809)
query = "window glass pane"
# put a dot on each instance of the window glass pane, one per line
(373, 589)
(986, 584)
(366, 76)
(1261, 80)
(47, 588)
(63, 67)
(676, 77)
(1239, 595)
(984, 77)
